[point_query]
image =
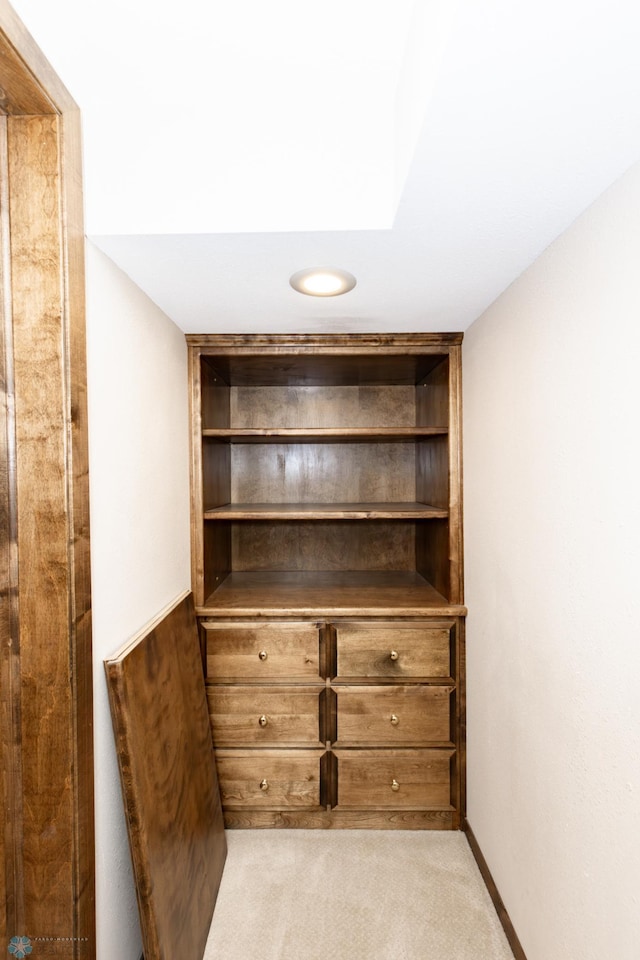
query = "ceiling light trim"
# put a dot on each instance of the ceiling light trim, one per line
(323, 281)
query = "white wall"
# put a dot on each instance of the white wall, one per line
(552, 519)
(139, 483)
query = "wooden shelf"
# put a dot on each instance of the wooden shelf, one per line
(327, 526)
(328, 594)
(325, 511)
(320, 434)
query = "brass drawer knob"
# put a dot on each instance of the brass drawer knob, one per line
(263, 721)
(394, 720)
(395, 786)
(263, 655)
(393, 655)
(264, 785)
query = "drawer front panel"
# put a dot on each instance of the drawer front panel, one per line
(262, 779)
(385, 715)
(395, 779)
(266, 715)
(262, 651)
(394, 649)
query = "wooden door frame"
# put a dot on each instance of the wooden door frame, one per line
(47, 872)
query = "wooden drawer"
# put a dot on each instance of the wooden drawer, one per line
(267, 715)
(262, 651)
(394, 714)
(400, 779)
(394, 649)
(270, 778)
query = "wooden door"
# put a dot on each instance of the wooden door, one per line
(47, 837)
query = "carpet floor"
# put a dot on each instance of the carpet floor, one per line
(353, 895)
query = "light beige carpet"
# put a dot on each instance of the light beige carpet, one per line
(353, 895)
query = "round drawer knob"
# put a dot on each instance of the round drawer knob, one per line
(263, 721)
(395, 786)
(263, 655)
(264, 786)
(394, 720)
(393, 655)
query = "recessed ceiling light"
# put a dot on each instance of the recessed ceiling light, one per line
(322, 281)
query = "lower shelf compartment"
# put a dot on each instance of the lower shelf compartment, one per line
(328, 593)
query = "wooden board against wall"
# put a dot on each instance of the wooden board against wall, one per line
(169, 782)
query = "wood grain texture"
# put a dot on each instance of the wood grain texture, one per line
(421, 778)
(215, 541)
(322, 472)
(433, 540)
(352, 406)
(216, 401)
(456, 542)
(304, 365)
(266, 715)
(342, 473)
(349, 510)
(494, 893)
(11, 894)
(20, 94)
(432, 396)
(169, 783)
(395, 650)
(432, 471)
(53, 529)
(47, 719)
(411, 715)
(328, 594)
(79, 550)
(319, 344)
(42, 523)
(201, 559)
(30, 83)
(263, 779)
(262, 651)
(460, 721)
(432, 555)
(322, 545)
(323, 360)
(339, 820)
(216, 473)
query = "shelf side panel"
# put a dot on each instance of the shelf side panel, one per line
(215, 397)
(432, 397)
(216, 477)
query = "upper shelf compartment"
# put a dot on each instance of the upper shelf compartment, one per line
(329, 368)
(307, 398)
(322, 452)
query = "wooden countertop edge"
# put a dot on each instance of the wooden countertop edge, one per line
(324, 613)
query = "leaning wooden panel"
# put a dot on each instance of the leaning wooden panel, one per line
(169, 783)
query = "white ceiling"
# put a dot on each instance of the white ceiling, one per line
(433, 149)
